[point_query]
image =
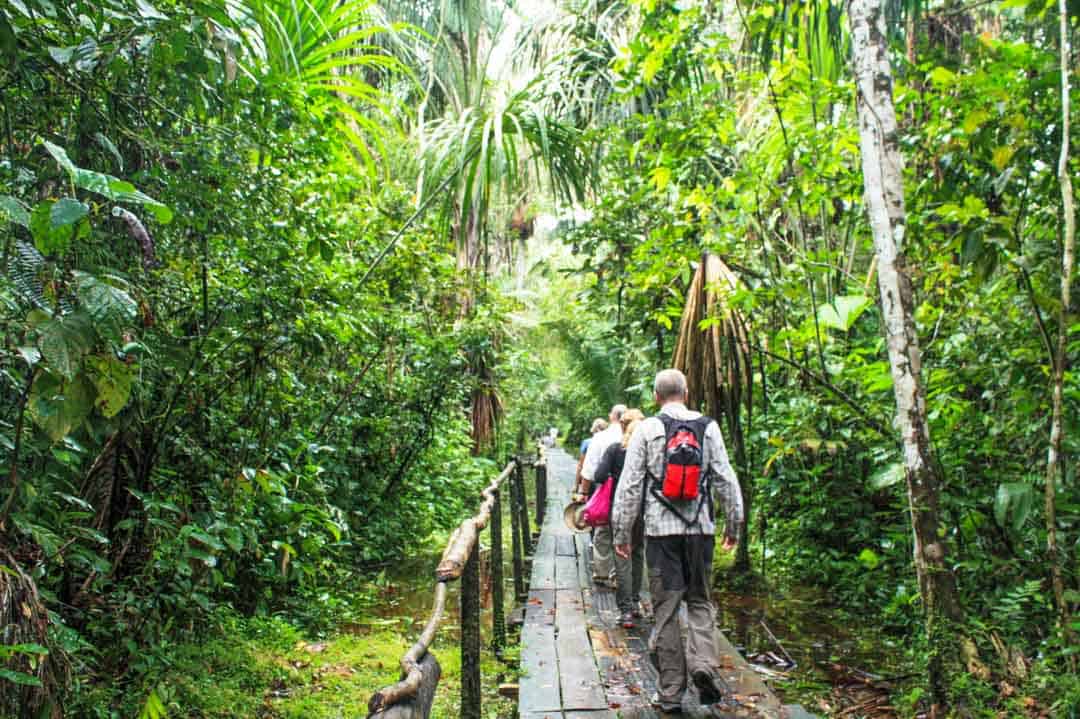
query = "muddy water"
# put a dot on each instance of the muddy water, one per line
(832, 652)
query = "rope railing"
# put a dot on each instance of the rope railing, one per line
(412, 696)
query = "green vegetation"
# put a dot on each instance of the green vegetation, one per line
(285, 282)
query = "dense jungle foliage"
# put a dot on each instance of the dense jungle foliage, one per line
(285, 282)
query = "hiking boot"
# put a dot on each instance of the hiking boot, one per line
(666, 710)
(707, 686)
(627, 620)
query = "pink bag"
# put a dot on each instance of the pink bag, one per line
(597, 512)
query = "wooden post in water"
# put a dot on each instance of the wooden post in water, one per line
(515, 545)
(498, 617)
(470, 636)
(523, 507)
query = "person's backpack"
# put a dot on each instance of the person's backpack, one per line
(684, 477)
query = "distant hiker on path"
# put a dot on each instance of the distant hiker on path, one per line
(603, 570)
(676, 461)
(628, 570)
(598, 425)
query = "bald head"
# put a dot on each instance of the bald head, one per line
(616, 413)
(670, 386)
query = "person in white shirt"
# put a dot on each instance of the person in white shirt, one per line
(603, 569)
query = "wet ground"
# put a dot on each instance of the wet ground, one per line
(815, 655)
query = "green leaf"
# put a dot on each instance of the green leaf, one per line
(67, 211)
(41, 230)
(942, 77)
(154, 708)
(107, 305)
(149, 12)
(20, 678)
(64, 342)
(887, 476)
(869, 559)
(108, 144)
(107, 186)
(14, 210)
(59, 406)
(113, 380)
(1013, 500)
(843, 312)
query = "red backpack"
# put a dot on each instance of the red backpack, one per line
(684, 477)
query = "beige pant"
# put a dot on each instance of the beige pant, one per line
(603, 554)
(673, 581)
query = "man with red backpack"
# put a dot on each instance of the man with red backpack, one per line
(675, 463)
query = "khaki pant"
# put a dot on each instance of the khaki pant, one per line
(603, 554)
(680, 568)
(628, 572)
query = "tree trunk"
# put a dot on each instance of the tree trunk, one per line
(883, 183)
(1058, 354)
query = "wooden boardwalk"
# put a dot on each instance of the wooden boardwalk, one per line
(577, 662)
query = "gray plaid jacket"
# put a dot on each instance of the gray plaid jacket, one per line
(646, 451)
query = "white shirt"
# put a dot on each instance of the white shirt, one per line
(599, 444)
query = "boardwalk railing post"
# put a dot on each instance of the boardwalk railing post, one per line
(523, 507)
(498, 616)
(470, 635)
(541, 493)
(515, 544)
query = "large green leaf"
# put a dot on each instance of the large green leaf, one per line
(13, 210)
(64, 341)
(57, 405)
(1013, 504)
(107, 186)
(54, 224)
(112, 379)
(843, 311)
(887, 476)
(109, 307)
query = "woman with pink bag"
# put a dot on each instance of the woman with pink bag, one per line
(628, 572)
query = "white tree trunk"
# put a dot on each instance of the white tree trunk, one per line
(1058, 355)
(884, 194)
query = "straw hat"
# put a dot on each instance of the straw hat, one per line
(574, 516)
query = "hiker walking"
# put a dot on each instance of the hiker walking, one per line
(628, 570)
(675, 462)
(603, 569)
(598, 425)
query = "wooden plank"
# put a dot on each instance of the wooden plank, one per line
(578, 675)
(565, 546)
(546, 545)
(566, 573)
(540, 608)
(543, 572)
(601, 714)
(538, 688)
(541, 715)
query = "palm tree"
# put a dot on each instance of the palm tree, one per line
(489, 134)
(328, 53)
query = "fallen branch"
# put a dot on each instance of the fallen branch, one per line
(776, 641)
